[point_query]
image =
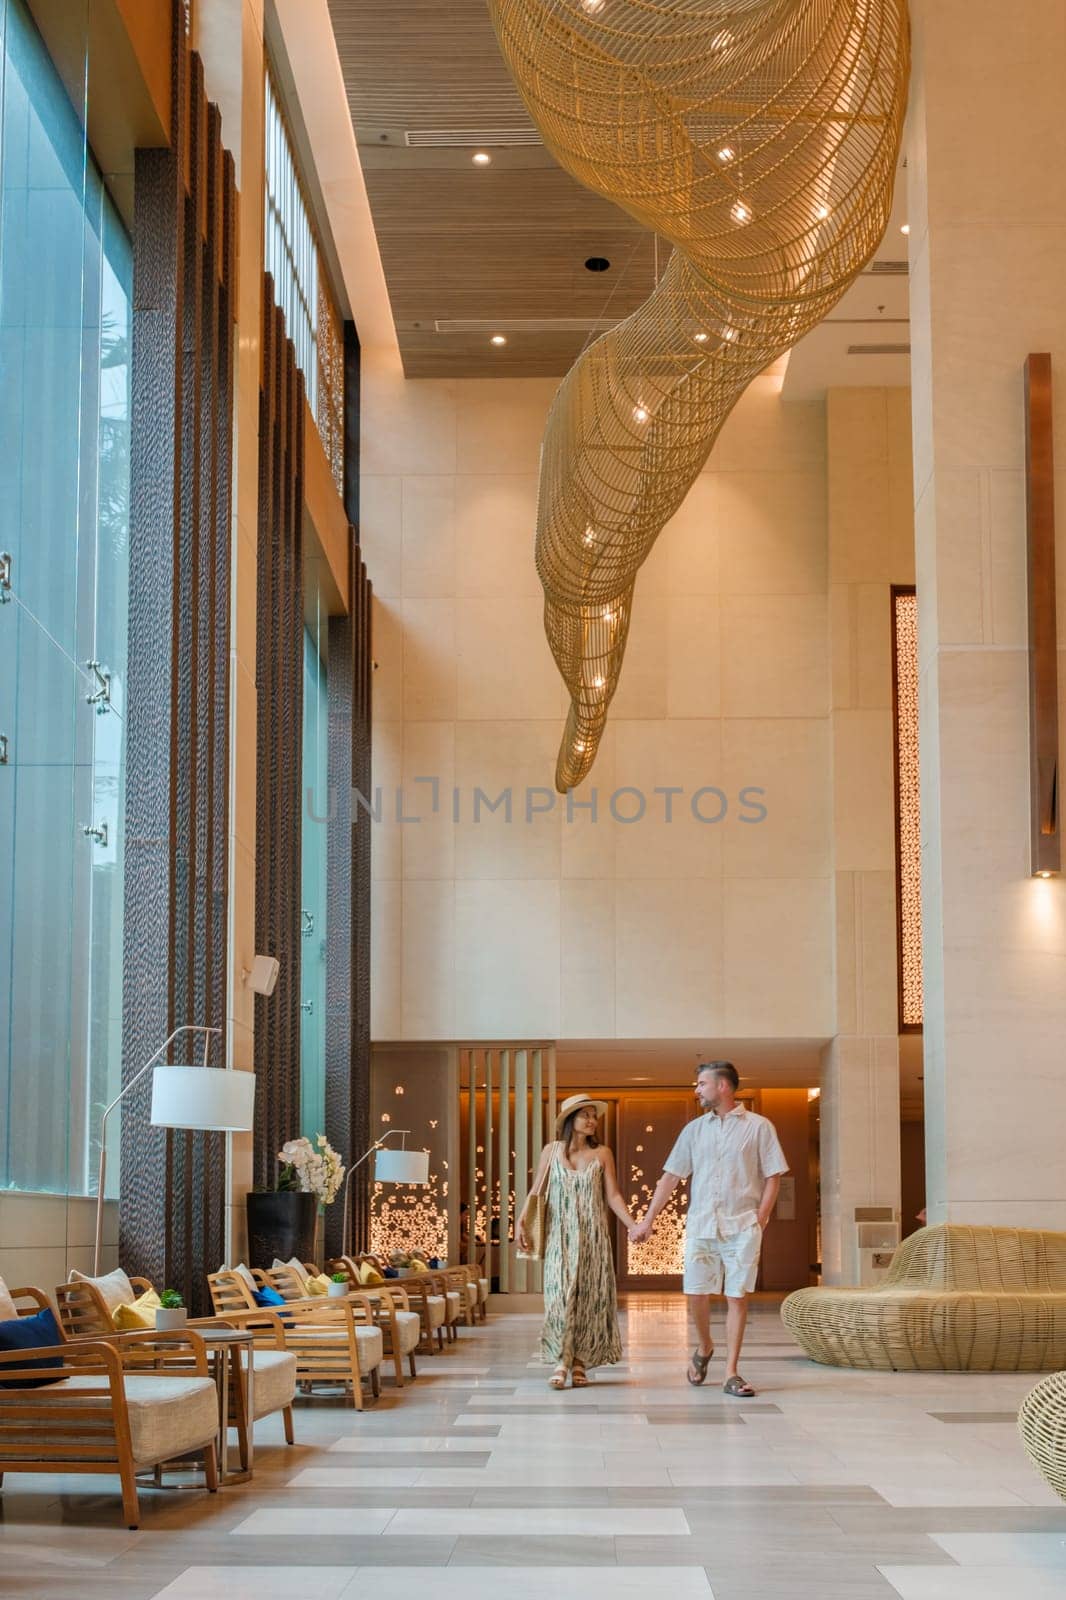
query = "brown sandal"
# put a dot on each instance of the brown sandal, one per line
(579, 1378)
(700, 1363)
(738, 1388)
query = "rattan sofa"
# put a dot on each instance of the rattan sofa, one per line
(955, 1299)
(1042, 1424)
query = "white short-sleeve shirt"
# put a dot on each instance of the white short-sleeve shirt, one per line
(729, 1160)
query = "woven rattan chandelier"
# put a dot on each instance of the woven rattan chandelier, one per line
(760, 137)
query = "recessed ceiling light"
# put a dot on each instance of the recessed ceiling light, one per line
(741, 212)
(597, 264)
(498, 338)
(481, 158)
(906, 228)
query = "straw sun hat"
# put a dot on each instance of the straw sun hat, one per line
(572, 1104)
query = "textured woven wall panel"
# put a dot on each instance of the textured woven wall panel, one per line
(279, 684)
(761, 139)
(171, 1213)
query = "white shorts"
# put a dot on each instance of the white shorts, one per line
(730, 1266)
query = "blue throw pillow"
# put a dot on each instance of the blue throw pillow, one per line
(268, 1297)
(391, 1272)
(30, 1333)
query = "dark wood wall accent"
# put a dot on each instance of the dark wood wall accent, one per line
(348, 921)
(1045, 845)
(348, 852)
(279, 739)
(171, 1214)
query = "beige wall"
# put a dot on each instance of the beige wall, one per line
(564, 928)
(44, 1236)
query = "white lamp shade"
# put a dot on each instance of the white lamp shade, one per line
(401, 1166)
(203, 1097)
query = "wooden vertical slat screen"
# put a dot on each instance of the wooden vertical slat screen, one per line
(279, 751)
(1045, 845)
(171, 1214)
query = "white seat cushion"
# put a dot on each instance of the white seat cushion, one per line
(454, 1305)
(409, 1330)
(435, 1307)
(168, 1415)
(371, 1346)
(470, 1289)
(483, 1290)
(275, 1381)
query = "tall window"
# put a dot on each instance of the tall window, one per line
(65, 284)
(301, 286)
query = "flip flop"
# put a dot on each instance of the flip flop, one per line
(738, 1388)
(700, 1363)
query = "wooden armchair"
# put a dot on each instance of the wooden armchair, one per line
(423, 1297)
(335, 1342)
(400, 1326)
(83, 1314)
(33, 1300)
(102, 1413)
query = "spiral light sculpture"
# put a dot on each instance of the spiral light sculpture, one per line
(761, 138)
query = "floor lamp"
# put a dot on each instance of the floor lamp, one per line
(209, 1099)
(391, 1166)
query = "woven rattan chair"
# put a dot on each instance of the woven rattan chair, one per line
(1042, 1424)
(955, 1299)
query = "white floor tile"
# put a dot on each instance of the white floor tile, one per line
(527, 1583)
(315, 1521)
(267, 1582)
(542, 1522)
(356, 1478)
(383, 1445)
(910, 1494)
(972, 1583)
(1005, 1549)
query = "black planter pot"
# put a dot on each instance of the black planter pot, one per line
(280, 1225)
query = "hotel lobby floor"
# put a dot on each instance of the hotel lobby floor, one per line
(478, 1480)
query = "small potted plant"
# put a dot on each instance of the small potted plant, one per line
(338, 1285)
(171, 1312)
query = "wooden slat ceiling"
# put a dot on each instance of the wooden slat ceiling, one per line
(498, 245)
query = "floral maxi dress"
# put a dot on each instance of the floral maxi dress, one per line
(580, 1306)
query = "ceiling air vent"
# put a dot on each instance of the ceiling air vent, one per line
(466, 138)
(888, 269)
(879, 349)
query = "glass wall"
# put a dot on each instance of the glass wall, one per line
(65, 285)
(313, 880)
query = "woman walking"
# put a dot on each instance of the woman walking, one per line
(577, 1176)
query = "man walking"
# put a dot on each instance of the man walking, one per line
(736, 1163)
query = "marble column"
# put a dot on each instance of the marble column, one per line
(871, 547)
(229, 37)
(987, 202)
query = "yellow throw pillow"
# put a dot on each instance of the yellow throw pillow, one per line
(418, 1266)
(318, 1285)
(369, 1276)
(137, 1315)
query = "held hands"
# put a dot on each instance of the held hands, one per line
(639, 1231)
